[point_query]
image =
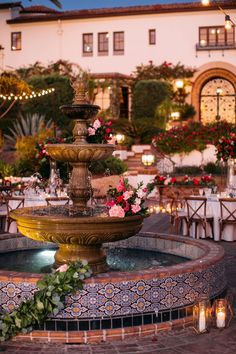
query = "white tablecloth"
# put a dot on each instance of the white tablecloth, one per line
(213, 209)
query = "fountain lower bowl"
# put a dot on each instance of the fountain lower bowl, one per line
(77, 237)
(119, 305)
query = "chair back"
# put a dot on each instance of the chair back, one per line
(13, 203)
(57, 200)
(228, 209)
(196, 207)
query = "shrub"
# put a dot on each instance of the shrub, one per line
(6, 169)
(188, 170)
(214, 168)
(112, 165)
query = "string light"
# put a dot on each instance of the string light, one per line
(27, 96)
(228, 21)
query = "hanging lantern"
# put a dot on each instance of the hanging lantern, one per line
(201, 315)
(222, 313)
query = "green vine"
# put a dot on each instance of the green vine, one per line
(49, 299)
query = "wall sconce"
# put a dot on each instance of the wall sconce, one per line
(148, 159)
(120, 138)
(201, 315)
(228, 22)
(222, 313)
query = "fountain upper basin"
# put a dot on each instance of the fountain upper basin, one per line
(80, 153)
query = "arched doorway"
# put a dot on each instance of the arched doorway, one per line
(218, 101)
(204, 84)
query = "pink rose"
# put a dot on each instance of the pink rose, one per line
(62, 268)
(135, 208)
(140, 193)
(127, 195)
(117, 211)
(110, 204)
(96, 124)
(121, 186)
(91, 131)
(127, 207)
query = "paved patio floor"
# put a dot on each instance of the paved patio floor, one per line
(179, 341)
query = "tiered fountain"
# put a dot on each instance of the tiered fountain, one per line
(115, 304)
(78, 230)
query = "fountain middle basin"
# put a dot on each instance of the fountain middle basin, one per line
(116, 305)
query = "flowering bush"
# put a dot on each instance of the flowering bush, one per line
(206, 181)
(190, 137)
(226, 147)
(126, 200)
(99, 132)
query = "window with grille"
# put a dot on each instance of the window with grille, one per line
(103, 40)
(152, 36)
(87, 44)
(16, 41)
(118, 43)
(216, 37)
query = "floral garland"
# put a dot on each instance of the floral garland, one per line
(160, 180)
(99, 132)
(49, 299)
(42, 153)
(226, 147)
(126, 200)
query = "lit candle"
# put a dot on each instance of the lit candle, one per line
(220, 319)
(202, 321)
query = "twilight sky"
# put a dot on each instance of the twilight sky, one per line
(86, 4)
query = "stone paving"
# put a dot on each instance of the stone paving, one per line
(178, 341)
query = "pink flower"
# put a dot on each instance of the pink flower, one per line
(167, 181)
(91, 131)
(121, 186)
(96, 124)
(110, 204)
(127, 207)
(62, 268)
(117, 211)
(127, 195)
(135, 208)
(140, 193)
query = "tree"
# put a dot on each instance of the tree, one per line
(11, 89)
(147, 95)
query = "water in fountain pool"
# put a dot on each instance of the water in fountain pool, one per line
(118, 259)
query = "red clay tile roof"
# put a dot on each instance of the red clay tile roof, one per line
(125, 11)
(38, 10)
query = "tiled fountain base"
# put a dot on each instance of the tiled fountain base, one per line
(120, 304)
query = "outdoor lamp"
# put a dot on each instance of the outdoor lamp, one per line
(228, 23)
(201, 315)
(179, 84)
(119, 138)
(175, 115)
(148, 159)
(222, 313)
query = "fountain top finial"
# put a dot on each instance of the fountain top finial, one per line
(80, 86)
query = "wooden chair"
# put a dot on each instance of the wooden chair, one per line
(12, 203)
(178, 216)
(197, 214)
(227, 213)
(57, 200)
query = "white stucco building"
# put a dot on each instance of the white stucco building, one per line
(116, 40)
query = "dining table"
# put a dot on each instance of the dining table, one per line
(213, 210)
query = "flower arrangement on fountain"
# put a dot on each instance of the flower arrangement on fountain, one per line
(226, 148)
(159, 180)
(99, 132)
(126, 200)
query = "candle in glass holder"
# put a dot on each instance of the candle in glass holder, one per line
(220, 319)
(202, 321)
